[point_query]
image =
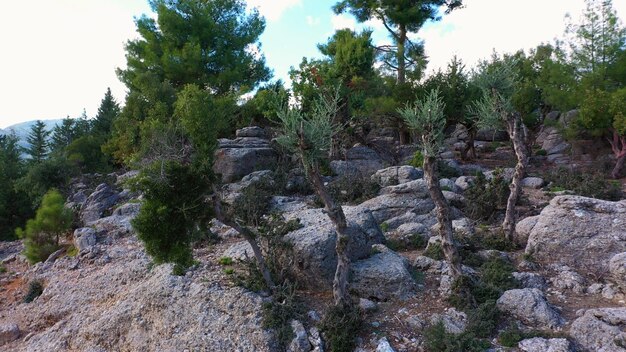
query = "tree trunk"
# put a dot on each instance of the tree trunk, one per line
(469, 152)
(618, 145)
(516, 132)
(617, 170)
(443, 217)
(336, 215)
(400, 55)
(250, 237)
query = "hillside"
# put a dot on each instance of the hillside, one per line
(22, 129)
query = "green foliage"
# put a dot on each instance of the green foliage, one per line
(71, 251)
(50, 173)
(417, 160)
(340, 326)
(412, 242)
(86, 153)
(38, 144)
(66, 132)
(352, 188)
(41, 234)
(225, 261)
(426, 117)
(444, 170)
(108, 111)
(35, 289)
(434, 251)
(486, 198)
(172, 212)
(15, 207)
(541, 152)
(3, 269)
(497, 80)
(280, 311)
(436, 339)
(588, 184)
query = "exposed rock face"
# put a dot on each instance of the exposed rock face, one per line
(8, 333)
(384, 346)
(567, 279)
(398, 200)
(617, 267)
(84, 238)
(601, 329)
(395, 175)
(530, 306)
(582, 233)
(492, 135)
(360, 160)
(532, 182)
(234, 190)
(383, 276)
(119, 223)
(530, 280)
(101, 200)
(313, 245)
(126, 306)
(241, 156)
(240, 251)
(539, 344)
(300, 342)
(555, 146)
(453, 321)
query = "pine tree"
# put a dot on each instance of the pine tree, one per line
(38, 145)
(63, 134)
(107, 112)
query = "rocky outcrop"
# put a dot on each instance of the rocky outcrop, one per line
(529, 305)
(557, 149)
(582, 233)
(359, 160)
(233, 191)
(532, 182)
(540, 344)
(313, 245)
(8, 333)
(119, 223)
(98, 203)
(84, 238)
(383, 276)
(600, 329)
(398, 200)
(396, 175)
(617, 268)
(241, 156)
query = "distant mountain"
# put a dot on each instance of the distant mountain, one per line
(22, 129)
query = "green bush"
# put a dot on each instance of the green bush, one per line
(35, 289)
(417, 160)
(340, 327)
(352, 188)
(541, 152)
(280, 311)
(486, 198)
(434, 251)
(446, 171)
(436, 339)
(3, 269)
(587, 184)
(41, 234)
(412, 242)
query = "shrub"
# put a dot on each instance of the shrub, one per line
(444, 170)
(352, 188)
(35, 289)
(588, 184)
(417, 160)
(414, 241)
(41, 234)
(3, 269)
(434, 251)
(280, 311)
(225, 261)
(485, 198)
(340, 327)
(436, 339)
(541, 152)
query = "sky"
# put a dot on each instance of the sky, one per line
(59, 56)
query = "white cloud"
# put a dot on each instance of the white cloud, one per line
(343, 21)
(272, 10)
(312, 21)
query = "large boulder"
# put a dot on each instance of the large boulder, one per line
(383, 276)
(600, 329)
(540, 344)
(491, 135)
(98, 203)
(233, 191)
(582, 233)
(119, 223)
(395, 175)
(84, 238)
(359, 160)
(531, 307)
(397, 200)
(241, 156)
(313, 245)
(617, 267)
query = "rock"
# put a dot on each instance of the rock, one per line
(398, 200)
(447, 155)
(8, 333)
(455, 167)
(595, 289)
(600, 329)
(453, 321)
(582, 233)
(567, 279)
(366, 305)
(524, 227)
(360, 160)
(539, 344)
(552, 116)
(552, 142)
(313, 245)
(300, 342)
(491, 135)
(297, 182)
(463, 226)
(119, 223)
(448, 185)
(454, 199)
(384, 276)
(567, 118)
(237, 158)
(530, 280)
(84, 238)
(396, 175)
(282, 204)
(384, 346)
(530, 306)
(471, 169)
(315, 339)
(506, 173)
(101, 200)
(464, 182)
(241, 251)
(532, 182)
(410, 228)
(617, 268)
(233, 191)
(254, 131)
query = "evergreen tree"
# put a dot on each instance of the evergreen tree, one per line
(14, 205)
(38, 145)
(63, 134)
(107, 112)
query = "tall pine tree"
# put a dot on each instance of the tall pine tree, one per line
(38, 144)
(107, 112)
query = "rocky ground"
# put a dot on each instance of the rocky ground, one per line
(108, 296)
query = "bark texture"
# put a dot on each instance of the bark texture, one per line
(618, 145)
(517, 133)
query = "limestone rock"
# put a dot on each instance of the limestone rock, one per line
(237, 158)
(396, 175)
(530, 306)
(453, 321)
(300, 342)
(398, 200)
(524, 227)
(360, 160)
(532, 182)
(539, 344)
(8, 333)
(84, 238)
(384, 346)
(530, 280)
(617, 267)
(600, 329)
(239, 251)
(101, 200)
(254, 131)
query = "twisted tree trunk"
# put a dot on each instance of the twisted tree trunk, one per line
(517, 133)
(469, 152)
(618, 145)
(443, 217)
(336, 215)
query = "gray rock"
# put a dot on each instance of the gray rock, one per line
(313, 245)
(396, 175)
(524, 227)
(315, 339)
(8, 333)
(506, 173)
(300, 342)
(532, 182)
(366, 305)
(84, 238)
(491, 135)
(232, 192)
(241, 251)
(567, 279)
(600, 329)
(101, 200)
(384, 276)
(539, 344)
(552, 142)
(448, 185)
(237, 158)
(582, 233)
(531, 307)
(568, 117)
(464, 182)
(119, 223)
(530, 280)
(360, 160)
(453, 321)
(552, 116)
(617, 267)
(397, 200)
(384, 346)
(254, 131)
